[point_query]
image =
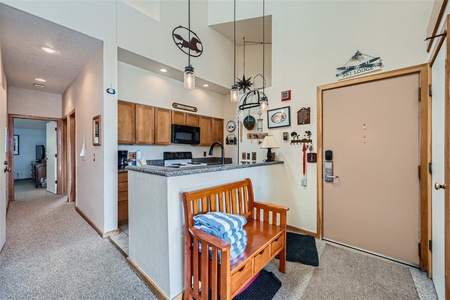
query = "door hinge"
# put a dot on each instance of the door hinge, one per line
(419, 249)
(419, 169)
(420, 94)
(430, 91)
(56, 181)
(55, 129)
(430, 245)
(56, 155)
(430, 169)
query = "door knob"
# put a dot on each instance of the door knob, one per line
(439, 186)
(6, 169)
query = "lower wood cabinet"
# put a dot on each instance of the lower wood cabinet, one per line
(122, 198)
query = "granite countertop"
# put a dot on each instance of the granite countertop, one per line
(172, 172)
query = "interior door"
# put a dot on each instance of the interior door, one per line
(51, 157)
(4, 172)
(438, 175)
(372, 129)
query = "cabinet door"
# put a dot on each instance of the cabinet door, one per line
(205, 124)
(126, 120)
(217, 128)
(191, 120)
(178, 117)
(145, 124)
(163, 120)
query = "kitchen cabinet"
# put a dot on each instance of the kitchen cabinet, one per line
(217, 130)
(206, 135)
(126, 122)
(145, 125)
(181, 118)
(163, 121)
(122, 198)
(211, 130)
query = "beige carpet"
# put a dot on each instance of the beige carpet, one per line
(25, 190)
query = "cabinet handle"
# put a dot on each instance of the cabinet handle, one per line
(241, 269)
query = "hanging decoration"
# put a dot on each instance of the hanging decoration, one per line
(180, 36)
(358, 64)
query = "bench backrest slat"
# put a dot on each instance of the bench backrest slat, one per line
(233, 198)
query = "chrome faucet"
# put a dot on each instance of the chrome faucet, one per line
(223, 150)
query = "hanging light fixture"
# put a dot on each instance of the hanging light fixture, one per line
(264, 101)
(234, 94)
(189, 77)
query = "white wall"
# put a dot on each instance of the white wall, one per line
(3, 176)
(28, 139)
(85, 95)
(34, 103)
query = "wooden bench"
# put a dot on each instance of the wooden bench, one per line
(207, 276)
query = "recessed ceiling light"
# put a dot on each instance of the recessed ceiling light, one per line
(205, 85)
(163, 70)
(40, 79)
(39, 86)
(48, 50)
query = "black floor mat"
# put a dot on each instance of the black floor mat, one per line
(301, 248)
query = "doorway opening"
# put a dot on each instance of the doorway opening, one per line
(31, 141)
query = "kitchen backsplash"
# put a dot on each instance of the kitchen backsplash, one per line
(156, 152)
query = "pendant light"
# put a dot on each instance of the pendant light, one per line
(234, 94)
(264, 102)
(189, 77)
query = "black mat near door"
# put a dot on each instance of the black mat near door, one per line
(265, 286)
(301, 248)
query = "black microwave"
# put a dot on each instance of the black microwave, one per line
(182, 134)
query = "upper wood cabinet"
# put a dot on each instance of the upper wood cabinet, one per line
(145, 125)
(205, 124)
(163, 121)
(126, 122)
(181, 118)
(217, 130)
(191, 120)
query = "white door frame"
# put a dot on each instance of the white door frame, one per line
(425, 150)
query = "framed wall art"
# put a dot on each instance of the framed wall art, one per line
(279, 117)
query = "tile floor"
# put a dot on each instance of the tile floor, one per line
(121, 239)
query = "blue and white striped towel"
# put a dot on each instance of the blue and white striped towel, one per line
(220, 222)
(230, 236)
(236, 249)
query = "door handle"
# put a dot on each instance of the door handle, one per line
(439, 186)
(6, 169)
(330, 177)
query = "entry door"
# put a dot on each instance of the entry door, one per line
(372, 130)
(438, 175)
(4, 172)
(51, 157)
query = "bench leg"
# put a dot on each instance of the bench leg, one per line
(282, 267)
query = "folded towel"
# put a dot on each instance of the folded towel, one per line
(236, 249)
(220, 222)
(229, 236)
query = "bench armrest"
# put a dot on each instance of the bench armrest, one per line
(270, 207)
(214, 241)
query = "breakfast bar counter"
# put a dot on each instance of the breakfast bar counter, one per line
(156, 216)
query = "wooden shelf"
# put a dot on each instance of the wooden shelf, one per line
(301, 141)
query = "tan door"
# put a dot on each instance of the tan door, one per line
(373, 130)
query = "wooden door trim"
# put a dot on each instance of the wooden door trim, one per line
(447, 166)
(59, 170)
(425, 149)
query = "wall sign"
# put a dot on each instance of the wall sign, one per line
(357, 65)
(304, 116)
(286, 95)
(184, 107)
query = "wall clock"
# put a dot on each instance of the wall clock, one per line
(231, 126)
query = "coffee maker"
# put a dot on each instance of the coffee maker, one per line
(122, 159)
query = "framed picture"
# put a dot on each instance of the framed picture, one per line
(279, 117)
(16, 145)
(96, 128)
(286, 95)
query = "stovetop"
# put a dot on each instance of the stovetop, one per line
(180, 160)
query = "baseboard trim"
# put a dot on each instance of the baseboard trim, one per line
(148, 282)
(302, 231)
